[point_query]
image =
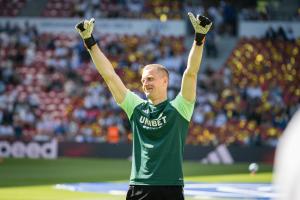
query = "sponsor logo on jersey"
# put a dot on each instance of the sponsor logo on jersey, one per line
(153, 123)
(146, 111)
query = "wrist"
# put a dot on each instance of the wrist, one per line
(89, 42)
(199, 38)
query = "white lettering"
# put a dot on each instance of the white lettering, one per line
(32, 150)
(5, 149)
(154, 123)
(164, 118)
(18, 150)
(159, 123)
(142, 119)
(147, 123)
(49, 150)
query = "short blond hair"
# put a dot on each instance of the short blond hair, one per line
(159, 67)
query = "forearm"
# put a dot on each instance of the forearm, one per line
(189, 80)
(103, 65)
(194, 60)
(106, 70)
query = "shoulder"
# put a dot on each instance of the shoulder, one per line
(183, 106)
(130, 102)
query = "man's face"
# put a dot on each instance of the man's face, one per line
(154, 83)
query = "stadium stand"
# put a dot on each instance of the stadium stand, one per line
(49, 88)
(11, 8)
(113, 9)
(256, 105)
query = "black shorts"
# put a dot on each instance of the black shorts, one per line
(149, 192)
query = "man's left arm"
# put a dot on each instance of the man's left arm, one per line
(201, 25)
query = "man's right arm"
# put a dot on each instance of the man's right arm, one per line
(103, 65)
(106, 70)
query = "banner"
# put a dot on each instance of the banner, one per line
(34, 150)
(221, 154)
(259, 28)
(104, 26)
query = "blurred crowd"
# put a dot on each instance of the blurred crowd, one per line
(229, 10)
(155, 9)
(50, 89)
(252, 97)
(223, 13)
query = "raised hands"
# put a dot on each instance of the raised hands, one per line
(201, 26)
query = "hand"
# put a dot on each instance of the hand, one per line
(201, 26)
(85, 29)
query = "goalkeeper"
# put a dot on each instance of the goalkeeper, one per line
(159, 125)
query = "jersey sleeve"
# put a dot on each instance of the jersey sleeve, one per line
(183, 106)
(130, 102)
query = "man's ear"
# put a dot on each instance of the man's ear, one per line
(166, 80)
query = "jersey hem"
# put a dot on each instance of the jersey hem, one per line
(181, 183)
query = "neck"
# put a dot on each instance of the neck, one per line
(158, 100)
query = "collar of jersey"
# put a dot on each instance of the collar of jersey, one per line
(158, 105)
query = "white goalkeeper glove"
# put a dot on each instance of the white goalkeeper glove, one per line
(201, 26)
(85, 29)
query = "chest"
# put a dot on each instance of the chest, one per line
(154, 120)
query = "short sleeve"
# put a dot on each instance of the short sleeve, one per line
(130, 102)
(183, 106)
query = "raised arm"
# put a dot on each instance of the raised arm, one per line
(103, 65)
(201, 25)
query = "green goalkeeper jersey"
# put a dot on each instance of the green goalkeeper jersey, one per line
(159, 133)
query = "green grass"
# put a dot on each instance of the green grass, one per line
(24, 172)
(25, 179)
